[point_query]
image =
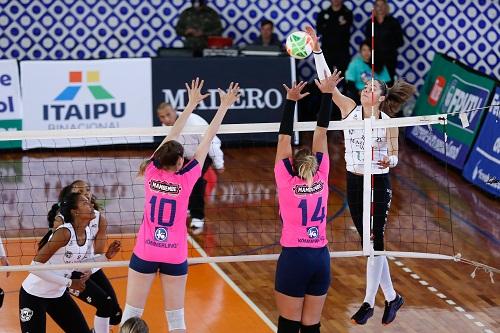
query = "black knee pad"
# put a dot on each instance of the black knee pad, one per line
(105, 308)
(116, 318)
(288, 326)
(1, 297)
(310, 328)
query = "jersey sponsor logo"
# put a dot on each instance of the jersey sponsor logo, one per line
(161, 234)
(164, 187)
(312, 232)
(68, 254)
(162, 244)
(304, 189)
(25, 314)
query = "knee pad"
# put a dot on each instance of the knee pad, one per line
(105, 308)
(175, 319)
(130, 312)
(116, 318)
(1, 297)
(310, 328)
(288, 326)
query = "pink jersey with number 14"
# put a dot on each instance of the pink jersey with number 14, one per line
(303, 208)
(163, 233)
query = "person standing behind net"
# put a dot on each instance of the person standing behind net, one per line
(161, 243)
(388, 36)
(168, 117)
(386, 103)
(334, 26)
(196, 23)
(303, 269)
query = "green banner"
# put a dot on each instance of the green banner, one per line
(451, 87)
(10, 125)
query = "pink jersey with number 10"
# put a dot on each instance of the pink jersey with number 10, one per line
(303, 208)
(163, 233)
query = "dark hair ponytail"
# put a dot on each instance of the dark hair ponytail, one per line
(396, 96)
(69, 202)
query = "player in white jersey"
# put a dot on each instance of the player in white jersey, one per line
(45, 292)
(99, 292)
(385, 102)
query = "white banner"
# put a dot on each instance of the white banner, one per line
(10, 102)
(86, 94)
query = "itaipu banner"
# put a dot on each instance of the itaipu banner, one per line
(10, 101)
(451, 87)
(86, 94)
(483, 166)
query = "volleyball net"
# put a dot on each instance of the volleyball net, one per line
(241, 209)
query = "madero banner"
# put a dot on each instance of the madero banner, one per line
(10, 101)
(483, 166)
(260, 78)
(86, 94)
(451, 87)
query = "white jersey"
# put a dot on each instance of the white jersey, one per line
(354, 140)
(70, 253)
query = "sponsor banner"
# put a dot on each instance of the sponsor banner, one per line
(451, 87)
(260, 78)
(483, 166)
(10, 101)
(84, 95)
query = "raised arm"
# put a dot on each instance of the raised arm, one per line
(195, 97)
(226, 100)
(293, 94)
(344, 103)
(326, 86)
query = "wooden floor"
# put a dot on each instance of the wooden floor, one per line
(433, 211)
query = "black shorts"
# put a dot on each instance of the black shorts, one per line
(149, 267)
(303, 271)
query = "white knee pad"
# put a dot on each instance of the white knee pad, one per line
(175, 319)
(130, 312)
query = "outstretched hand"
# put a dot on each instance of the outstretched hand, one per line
(328, 84)
(232, 95)
(113, 249)
(194, 91)
(310, 31)
(294, 93)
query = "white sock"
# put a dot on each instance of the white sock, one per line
(373, 273)
(130, 312)
(386, 282)
(101, 325)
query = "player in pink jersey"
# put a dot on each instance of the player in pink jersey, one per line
(303, 269)
(161, 243)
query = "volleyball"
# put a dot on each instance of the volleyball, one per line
(299, 45)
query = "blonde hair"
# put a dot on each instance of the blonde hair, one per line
(134, 325)
(305, 165)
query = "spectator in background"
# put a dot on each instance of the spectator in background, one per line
(360, 71)
(267, 36)
(134, 325)
(334, 27)
(388, 36)
(167, 116)
(197, 23)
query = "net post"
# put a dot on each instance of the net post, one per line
(367, 167)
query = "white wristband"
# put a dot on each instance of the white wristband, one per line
(393, 161)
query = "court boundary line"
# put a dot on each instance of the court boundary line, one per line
(440, 295)
(233, 286)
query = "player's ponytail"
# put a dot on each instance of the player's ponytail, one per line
(395, 96)
(305, 165)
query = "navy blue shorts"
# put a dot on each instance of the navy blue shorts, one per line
(149, 267)
(303, 271)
